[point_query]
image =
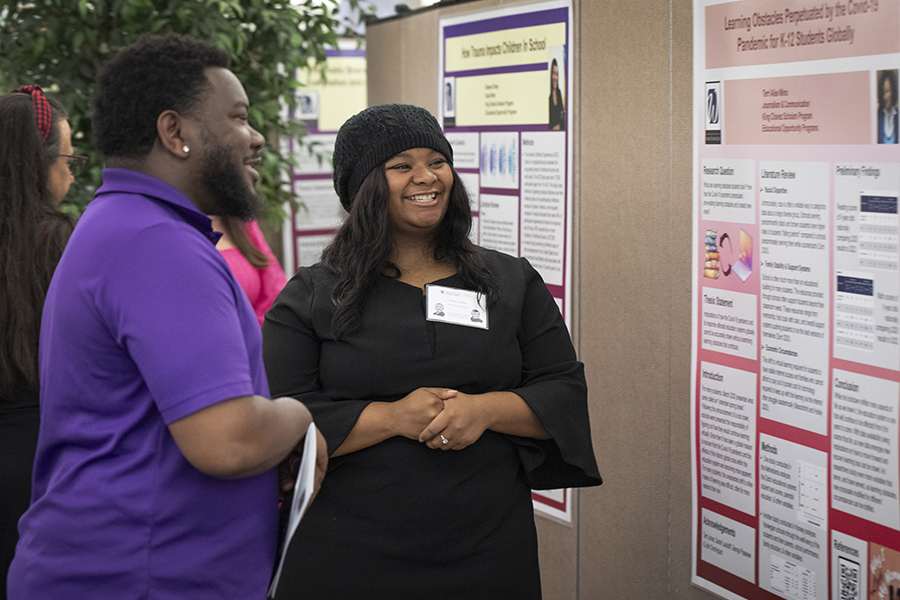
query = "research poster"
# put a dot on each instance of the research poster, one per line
(322, 107)
(504, 102)
(796, 299)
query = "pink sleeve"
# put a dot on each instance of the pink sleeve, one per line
(272, 278)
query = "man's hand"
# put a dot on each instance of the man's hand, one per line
(290, 466)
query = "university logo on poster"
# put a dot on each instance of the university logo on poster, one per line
(713, 112)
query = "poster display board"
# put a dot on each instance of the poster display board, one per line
(796, 299)
(504, 105)
(322, 106)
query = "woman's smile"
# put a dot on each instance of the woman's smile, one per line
(429, 198)
(420, 180)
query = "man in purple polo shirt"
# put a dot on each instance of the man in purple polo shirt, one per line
(154, 476)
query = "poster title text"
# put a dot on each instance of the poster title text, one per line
(506, 47)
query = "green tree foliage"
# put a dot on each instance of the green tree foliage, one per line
(63, 44)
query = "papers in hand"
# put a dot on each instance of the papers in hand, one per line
(303, 491)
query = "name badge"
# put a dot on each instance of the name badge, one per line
(456, 306)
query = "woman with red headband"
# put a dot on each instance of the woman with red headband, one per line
(36, 170)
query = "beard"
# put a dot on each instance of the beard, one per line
(228, 187)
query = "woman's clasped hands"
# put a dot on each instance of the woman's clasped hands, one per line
(441, 418)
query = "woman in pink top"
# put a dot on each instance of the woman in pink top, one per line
(251, 260)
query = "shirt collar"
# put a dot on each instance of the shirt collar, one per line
(116, 181)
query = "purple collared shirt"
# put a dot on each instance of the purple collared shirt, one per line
(143, 325)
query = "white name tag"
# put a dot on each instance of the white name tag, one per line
(456, 306)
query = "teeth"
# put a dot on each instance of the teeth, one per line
(423, 197)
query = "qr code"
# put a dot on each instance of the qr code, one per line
(848, 579)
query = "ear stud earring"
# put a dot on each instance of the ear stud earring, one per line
(185, 149)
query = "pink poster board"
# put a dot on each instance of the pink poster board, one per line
(795, 398)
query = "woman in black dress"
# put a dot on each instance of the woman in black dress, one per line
(438, 425)
(35, 158)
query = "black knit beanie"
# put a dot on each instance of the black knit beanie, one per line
(371, 137)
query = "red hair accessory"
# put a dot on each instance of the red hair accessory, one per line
(42, 115)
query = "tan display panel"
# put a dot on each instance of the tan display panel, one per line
(631, 97)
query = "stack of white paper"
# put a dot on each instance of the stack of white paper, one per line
(303, 491)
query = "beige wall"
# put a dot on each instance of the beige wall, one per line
(631, 98)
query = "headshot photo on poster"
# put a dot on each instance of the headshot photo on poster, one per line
(450, 96)
(307, 106)
(556, 67)
(886, 103)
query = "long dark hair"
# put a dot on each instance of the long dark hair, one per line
(234, 227)
(33, 233)
(891, 77)
(555, 91)
(361, 251)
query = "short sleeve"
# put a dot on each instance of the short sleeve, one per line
(170, 302)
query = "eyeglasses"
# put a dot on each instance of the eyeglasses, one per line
(76, 164)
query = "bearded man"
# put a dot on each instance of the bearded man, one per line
(154, 475)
